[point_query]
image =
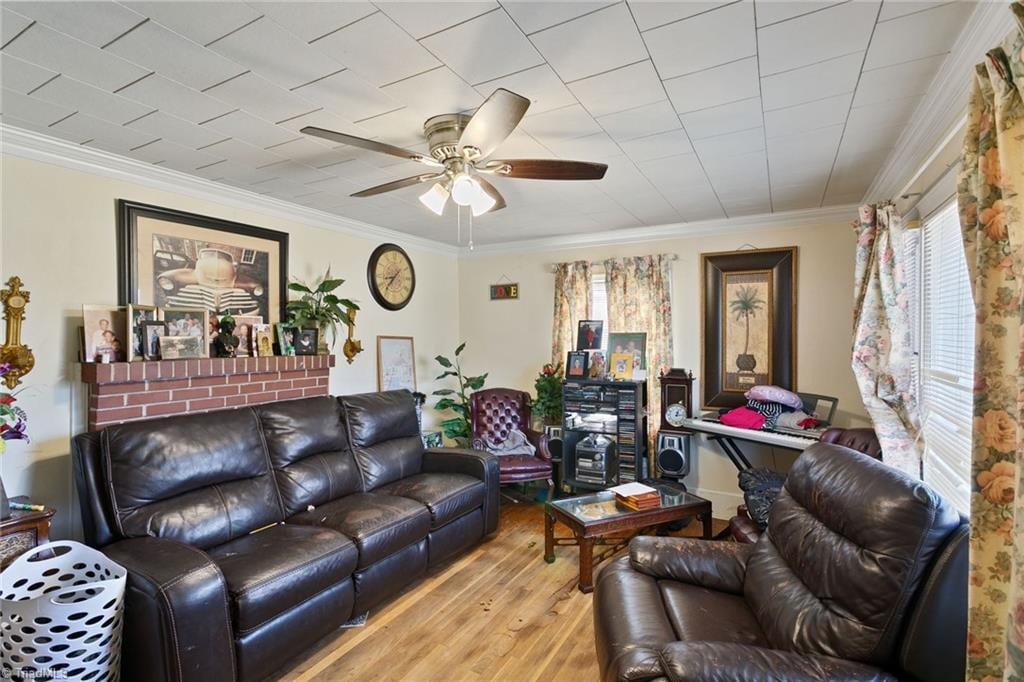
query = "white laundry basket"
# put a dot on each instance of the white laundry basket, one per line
(62, 606)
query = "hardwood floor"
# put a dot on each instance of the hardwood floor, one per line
(497, 613)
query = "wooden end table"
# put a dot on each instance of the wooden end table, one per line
(597, 519)
(23, 531)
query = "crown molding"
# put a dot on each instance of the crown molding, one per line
(942, 112)
(753, 223)
(37, 147)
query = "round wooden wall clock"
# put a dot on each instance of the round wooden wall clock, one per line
(391, 277)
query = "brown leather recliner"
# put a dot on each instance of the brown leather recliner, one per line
(861, 575)
(494, 413)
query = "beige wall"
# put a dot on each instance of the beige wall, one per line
(58, 234)
(512, 339)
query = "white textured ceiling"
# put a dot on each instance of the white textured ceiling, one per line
(700, 109)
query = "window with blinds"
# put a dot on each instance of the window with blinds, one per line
(599, 301)
(945, 331)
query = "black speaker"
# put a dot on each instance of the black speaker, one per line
(673, 460)
(554, 434)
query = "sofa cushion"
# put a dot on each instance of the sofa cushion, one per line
(309, 451)
(385, 436)
(700, 614)
(272, 570)
(447, 496)
(379, 524)
(202, 479)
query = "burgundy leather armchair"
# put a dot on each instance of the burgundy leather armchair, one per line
(494, 412)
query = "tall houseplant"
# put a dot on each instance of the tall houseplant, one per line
(744, 307)
(548, 403)
(321, 308)
(457, 400)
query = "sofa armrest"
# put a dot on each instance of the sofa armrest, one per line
(699, 661)
(177, 619)
(476, 463)
(719, 566)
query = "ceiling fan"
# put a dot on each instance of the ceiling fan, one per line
(459, 147)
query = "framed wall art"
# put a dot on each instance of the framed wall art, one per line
(173, 259)
(396, 363)
(748, 323)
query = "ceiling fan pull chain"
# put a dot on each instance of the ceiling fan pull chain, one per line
(470, 230)
(458, 222)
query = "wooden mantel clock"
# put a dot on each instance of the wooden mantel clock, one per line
(676, 399)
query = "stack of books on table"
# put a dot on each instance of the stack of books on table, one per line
(637, 496)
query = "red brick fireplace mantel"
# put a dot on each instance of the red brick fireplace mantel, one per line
(127, 391)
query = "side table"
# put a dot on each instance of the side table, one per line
(23, 531)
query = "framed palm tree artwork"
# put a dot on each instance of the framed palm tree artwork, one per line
(748, 301)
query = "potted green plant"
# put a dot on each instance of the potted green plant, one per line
(547, 406)
(319, 307)
(12, 427)
(744, 307)
(457, 400)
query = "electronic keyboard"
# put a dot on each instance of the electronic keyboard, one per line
(711, 425)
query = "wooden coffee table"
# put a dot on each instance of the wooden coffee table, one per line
(597, 519)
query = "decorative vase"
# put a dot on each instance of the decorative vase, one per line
(746, 362)
(5, 505)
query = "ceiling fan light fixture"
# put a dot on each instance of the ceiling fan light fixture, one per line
(435, 198)
(464, 189)
(482, 202)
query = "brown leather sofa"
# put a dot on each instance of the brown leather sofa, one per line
(861, 575)
(250, 534)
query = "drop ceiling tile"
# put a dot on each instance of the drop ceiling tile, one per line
(438, 91)
(202, 22)
(347, 94)
(11, 24)
(274, 53)
(403, 127)
(174, 98)
(832, 32)
(299, 173)
(774, 11)
(794, 197)
(98, 133)
(597, 147)
(312, 20)
(532, 16)
(895, 82)
(831, 77)
(673, 172)
(652, 13)
(730, 144)
(897, 8)
(96, 23)
(706, 40)
(242, 152)
(802, 158)
(165, 126)
(671, 143)
(306, 151)
(738, 176)
(520, 145)
(20, 106)
(726, 118)
(933, 31)
(45, 47)
(604, 40)
(421, 19)
(624, 88)
(20, 76)
(377, 49)
(173, 56)
(87, 99)
(249, 128)
(893, 112)
(649, 119)
(561, 124)
(802, 117)
(540, 85)
(171, 155)
(713, 87)
(261, 97)
(484, 48)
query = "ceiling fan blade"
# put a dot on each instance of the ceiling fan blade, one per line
(372, 145)
(492, 191)
(548, 169)
(494, 121)
(398, 184)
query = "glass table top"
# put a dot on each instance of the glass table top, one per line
(601, 506)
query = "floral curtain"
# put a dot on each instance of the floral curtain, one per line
(573, 297)
(992, 218)
(882, 352)
(639, 292)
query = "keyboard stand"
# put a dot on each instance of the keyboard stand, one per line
(732, 451)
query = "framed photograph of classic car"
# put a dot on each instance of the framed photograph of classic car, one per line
(748, 328)
(174, 259)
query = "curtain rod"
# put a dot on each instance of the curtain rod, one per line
(553, 267)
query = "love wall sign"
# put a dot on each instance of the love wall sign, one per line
(505, 292)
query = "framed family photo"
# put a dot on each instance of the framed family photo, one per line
(396, 363)
(173, 259)
(576, 364)
(153, 332)
(188, 322)
(634, 343)
(306, 341)
(105, 333)
(748, 302)
(137, 314)
(589, 335)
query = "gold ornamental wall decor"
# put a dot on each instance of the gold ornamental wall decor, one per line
(353, 346)
(14, 353)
